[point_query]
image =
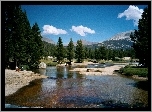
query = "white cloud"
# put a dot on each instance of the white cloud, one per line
(52, 30)
(81, 30)
(132, 13)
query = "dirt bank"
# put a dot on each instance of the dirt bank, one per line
(16, 80)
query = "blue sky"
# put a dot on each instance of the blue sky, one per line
(94, 23)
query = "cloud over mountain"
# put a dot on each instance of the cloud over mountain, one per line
(81, 30)
(47, 29)
(132, 13)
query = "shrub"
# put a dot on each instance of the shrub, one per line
(109, 63)
(121, 70)
(129, 71)
(102, 61)
(49, 62)
(118, 61)
(127, 66)
(25, 67)
(52, 64)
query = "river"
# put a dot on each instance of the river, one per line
(68, 89)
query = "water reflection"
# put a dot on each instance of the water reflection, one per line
(27, 95)
(71, 89)
(49, 84)
(58, 72)
(42, 71)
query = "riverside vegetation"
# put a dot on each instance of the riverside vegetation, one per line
(132, 70)
(24, 45)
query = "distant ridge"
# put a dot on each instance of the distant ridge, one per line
(85, 42)
(119, 41)
(122, 35)
(48, 40)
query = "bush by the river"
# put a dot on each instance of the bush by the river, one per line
(25, 67)
(49, 62)
(120, 61)
(130, 71)
(52, 64)
(105, 61)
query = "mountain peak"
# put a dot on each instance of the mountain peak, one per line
(119, 41)
(48, 40)
(122, 35)
(85, 42)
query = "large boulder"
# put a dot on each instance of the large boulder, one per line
(42, 65)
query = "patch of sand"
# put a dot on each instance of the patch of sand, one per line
(77, 64)
(15, 80)
(98, 71)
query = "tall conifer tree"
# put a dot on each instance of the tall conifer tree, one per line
(59, 50)
(20, 38)
(79, 51)
(70, 51)
(141, 38)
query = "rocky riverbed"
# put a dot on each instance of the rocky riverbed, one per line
(15, 80)
(65, 89)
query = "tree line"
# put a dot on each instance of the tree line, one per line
(142, 38)
(24, 45)
(81, 52)
(140, 49)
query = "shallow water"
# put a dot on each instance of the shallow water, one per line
(71, 89)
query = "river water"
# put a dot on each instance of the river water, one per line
(68, 89)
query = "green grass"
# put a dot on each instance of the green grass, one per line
(130, 71)
(52, 64)
(49, 62)
(25, 67)
(120, 61)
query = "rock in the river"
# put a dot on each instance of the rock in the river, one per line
(42, 65)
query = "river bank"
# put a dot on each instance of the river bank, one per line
(77, 64)
(73, 90)
(65, 89)
(15, 80)
(99, 71)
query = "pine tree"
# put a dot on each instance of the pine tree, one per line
(79, 53)
(91, 53)
(59, 51)
(35, 46)
(20, 39)
(96, 54)
(86, 53)
(102, 52)
(109, 54)
(8, 27)
(106, 54)
(48, 49)
(141, 38)
(70, 51)
(15, 33)
(27, 36)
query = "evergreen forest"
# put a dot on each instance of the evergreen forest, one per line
(24, 45)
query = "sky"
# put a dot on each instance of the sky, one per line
(94, 23)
